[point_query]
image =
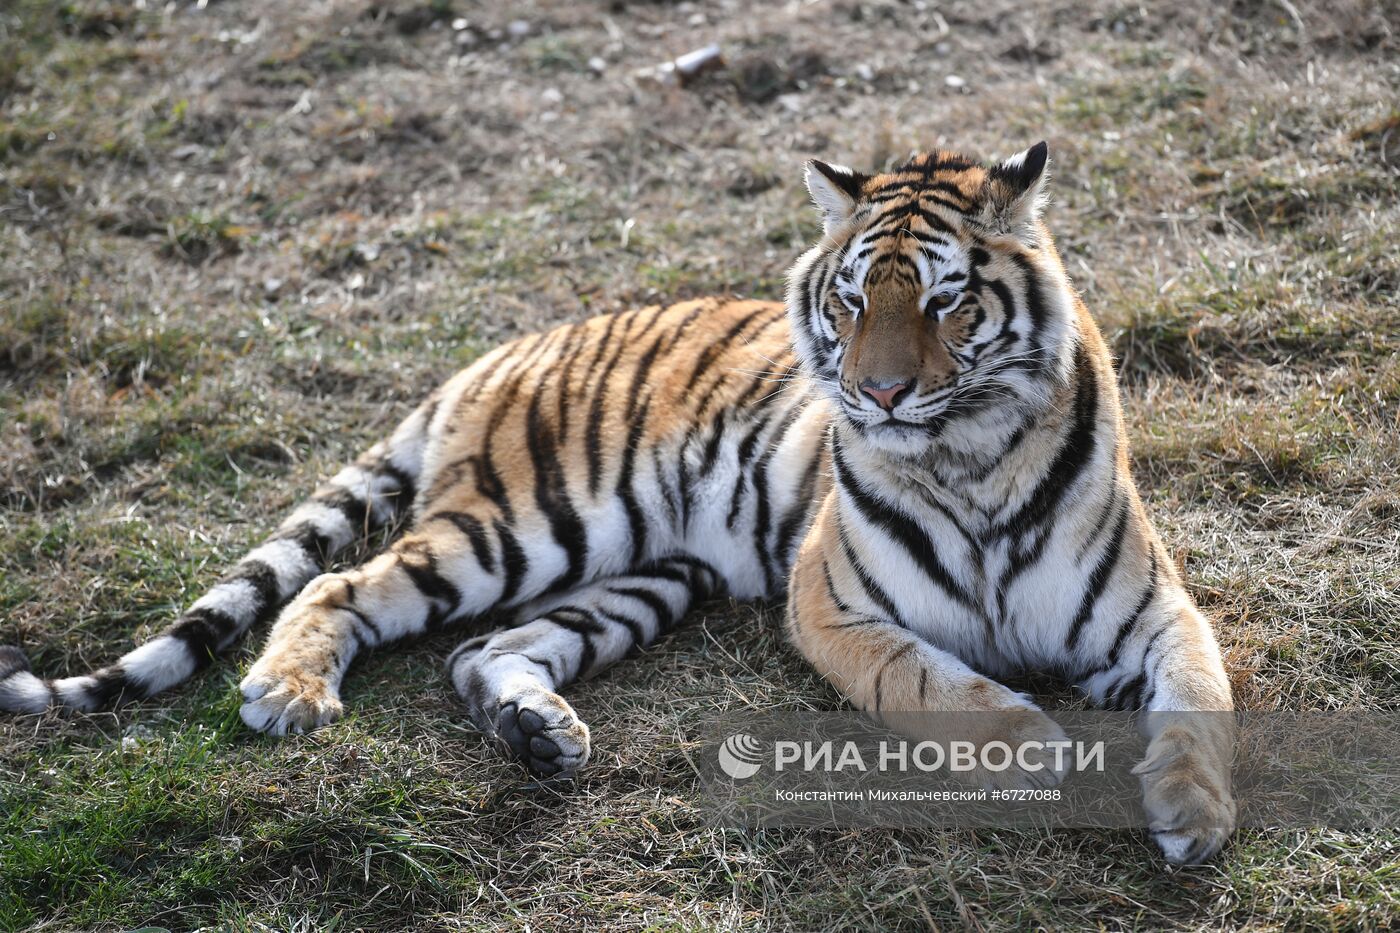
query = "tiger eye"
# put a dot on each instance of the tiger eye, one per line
(939, 302)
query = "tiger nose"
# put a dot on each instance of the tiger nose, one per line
(885, 394)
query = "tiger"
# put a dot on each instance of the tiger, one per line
(922, 447)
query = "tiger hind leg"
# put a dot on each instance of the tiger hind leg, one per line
(509, 679)
(421, 584)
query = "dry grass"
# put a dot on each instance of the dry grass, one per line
(238, 241)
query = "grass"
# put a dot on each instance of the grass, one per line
(238, 242)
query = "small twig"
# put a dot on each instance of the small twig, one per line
(1262, 462)
(670, 141)
(1293, 14)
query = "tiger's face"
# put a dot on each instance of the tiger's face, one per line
(934, 298)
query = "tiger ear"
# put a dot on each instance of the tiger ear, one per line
(835, 191)
(1014, 196)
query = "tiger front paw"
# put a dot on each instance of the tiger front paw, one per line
(1186, 794)
(1031, 737)
(1015, 745)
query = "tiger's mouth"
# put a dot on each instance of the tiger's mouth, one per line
(892, 423)
(876, 421)
(899, 434)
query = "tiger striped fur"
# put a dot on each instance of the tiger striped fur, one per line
(923, 448)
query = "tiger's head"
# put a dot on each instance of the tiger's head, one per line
(935, 301)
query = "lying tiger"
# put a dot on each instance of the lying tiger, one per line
(923, 448)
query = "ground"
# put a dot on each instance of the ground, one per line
(240, 239)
